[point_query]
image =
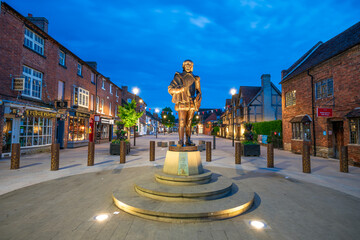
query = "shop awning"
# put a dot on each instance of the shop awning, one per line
(301, 118)
(353, 113)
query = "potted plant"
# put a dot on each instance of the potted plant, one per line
(120, 136)
(250, 146)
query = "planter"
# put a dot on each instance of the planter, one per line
(250, 149)
(115, 148)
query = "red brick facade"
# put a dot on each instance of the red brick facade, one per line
(331, 132)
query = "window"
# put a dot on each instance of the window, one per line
(97, 104)
(110, 109)
(81, 97)
(61, 58)
(116, 108)
(35, 131)
(301, 131)
(79, 69)
(78, 129)
(103, 84)
(92, 77)
(110, 88)
(354, 130)
(324, 88)
(33, 83)
(34, 41)
(60, 90)
(290, 98)
(102, 106)
(91, 102)
(116, 93)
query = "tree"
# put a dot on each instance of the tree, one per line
(167, 118)
(128, 116)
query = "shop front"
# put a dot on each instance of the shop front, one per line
(78, 131)
(32, 127)
(104, 130)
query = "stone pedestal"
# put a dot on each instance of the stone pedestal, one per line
(183, 161)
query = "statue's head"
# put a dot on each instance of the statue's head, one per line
(188, 66)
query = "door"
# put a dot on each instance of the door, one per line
(7, 137)
(338, 138)
(60, 128)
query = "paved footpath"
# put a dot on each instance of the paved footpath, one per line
(36, 203)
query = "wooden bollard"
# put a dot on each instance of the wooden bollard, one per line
(15, 156)
(122, 152)
(270, 155)
(344, 162)
(208, 151)
(55, 151)
(91, 154)
(306, 158)
(237, 153)
(152, 151)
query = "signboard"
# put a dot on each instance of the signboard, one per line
(324, 112)
(107, 121)
(97, 118)
(136, 128)
(18, 84)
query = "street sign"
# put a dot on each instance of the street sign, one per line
(19, 84)
(136, 128)
(324, 112)
(97, 118)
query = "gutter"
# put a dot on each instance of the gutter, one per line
(313, 109)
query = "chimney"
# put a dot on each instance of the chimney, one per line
(268, 111)
(124, 89)
(92, 64)
(41, 22)
(283, 74)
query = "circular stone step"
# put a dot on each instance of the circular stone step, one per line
(218, 187)
(183, 180)
(238, 202)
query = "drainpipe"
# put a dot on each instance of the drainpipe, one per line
(313, 108)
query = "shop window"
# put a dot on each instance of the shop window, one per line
(78, 129)
(354, 130)
(33, 41)
(324, 88)
(35, 131)
(33, 83)
(301, 131)
(290, 98)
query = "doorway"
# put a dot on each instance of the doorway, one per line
(338, 138)
(60, 128)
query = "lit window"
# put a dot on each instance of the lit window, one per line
(79, 69)
(61, 58)
(354, 130)
(81, 97)
(33, 83)
(35, 131)
(34, 41)
(290, 98)
(301, 131)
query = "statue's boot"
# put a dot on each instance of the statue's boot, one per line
(180, 143)
(189, 142)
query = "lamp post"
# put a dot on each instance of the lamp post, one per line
(233, 92)
(135, 91)
(164, 125)
(156, 110)
(198, 125)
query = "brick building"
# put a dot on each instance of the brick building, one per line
(61, 92)
(321, 97)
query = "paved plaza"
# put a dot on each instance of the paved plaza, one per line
(36, 203)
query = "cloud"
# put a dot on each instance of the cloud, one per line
(200, 21)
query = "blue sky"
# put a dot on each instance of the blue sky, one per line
(232, 43)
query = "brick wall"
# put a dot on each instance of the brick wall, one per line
(344, 70)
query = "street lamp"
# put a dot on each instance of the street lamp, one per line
(156, 110)
(164, 121)
(135, 91)
(233, 92)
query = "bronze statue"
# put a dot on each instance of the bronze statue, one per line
(186, 94)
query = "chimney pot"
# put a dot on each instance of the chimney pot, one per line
(30, 15)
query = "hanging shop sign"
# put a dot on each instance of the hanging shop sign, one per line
(83, 115)
(107, 121)
(19, 84)
(324, 112)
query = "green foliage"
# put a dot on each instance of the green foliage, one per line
(128, 115)
(215, 130)
(169, 120)
(267, 128)
(250, 136)
(118, 141)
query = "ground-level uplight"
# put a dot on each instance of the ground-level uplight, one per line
(116, 213)
(257, 224)
(101, 217)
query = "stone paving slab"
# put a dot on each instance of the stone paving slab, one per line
(64, 209)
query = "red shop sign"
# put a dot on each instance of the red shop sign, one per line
(324, 112)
